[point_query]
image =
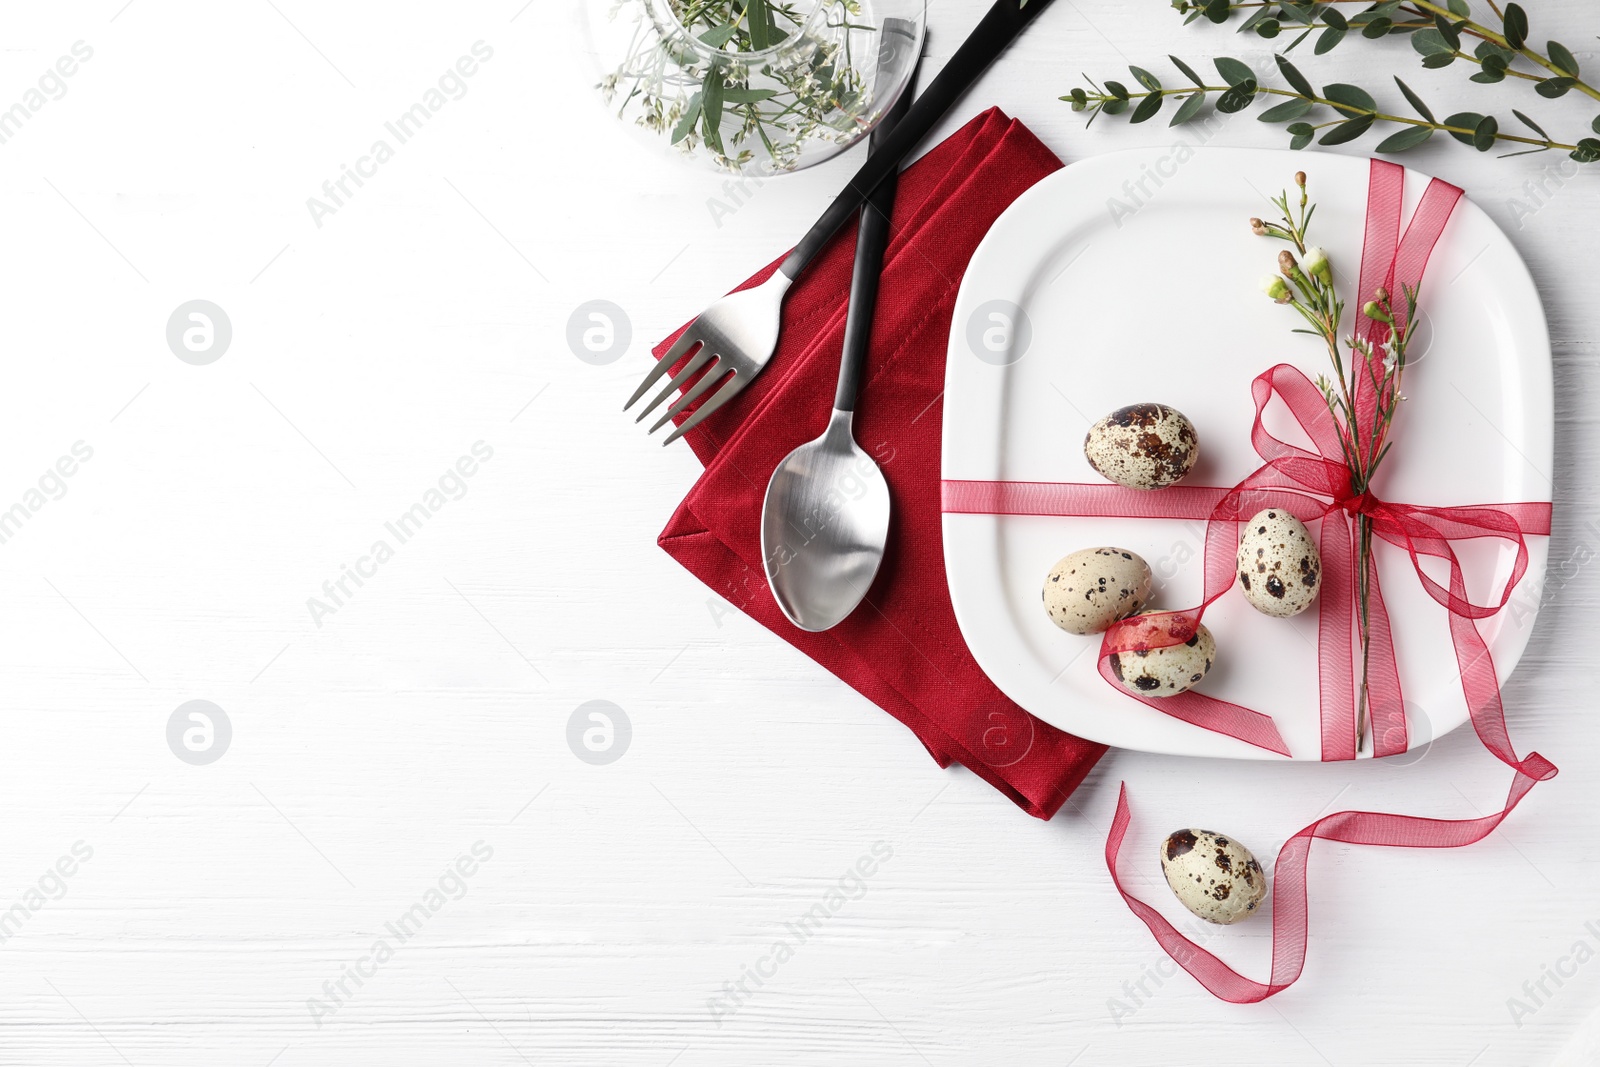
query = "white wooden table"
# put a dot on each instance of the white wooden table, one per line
(176, 913)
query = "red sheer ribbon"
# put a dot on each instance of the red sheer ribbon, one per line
(1316, 486)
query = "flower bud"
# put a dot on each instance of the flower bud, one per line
(1258, 227)
(1276, 288)
(1381, 295)
(1300, 178)
(1316, 263)
(1372, 310)
(1287, 264)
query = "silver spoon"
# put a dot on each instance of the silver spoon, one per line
(825, 519)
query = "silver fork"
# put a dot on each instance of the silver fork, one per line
(738, 334)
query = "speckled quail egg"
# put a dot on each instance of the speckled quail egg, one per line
(1280, 569)
(1165, 672)
(1091, 589)
(1213, 876)
(1142, 446)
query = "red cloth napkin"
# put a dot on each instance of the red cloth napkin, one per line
(901, 648)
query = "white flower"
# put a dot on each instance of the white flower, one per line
(1274, 286)
(1316, 264)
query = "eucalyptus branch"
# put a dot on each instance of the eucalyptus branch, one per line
(1435, 28)
(1355, 111)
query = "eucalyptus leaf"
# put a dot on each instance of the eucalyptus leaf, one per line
(1189, 108)
(1414, 100)
(1439, 59)
(1378, 27)
(1269, 28)
(1463, 120)
(1146, 79)
(1117, 89)
(1447, 30)
(1233, 71)
(1331, 17)
(1217, 11)
(1409, 137)
(1534, 126)
(1292, 75)
(1430, 41)
(1562, 58)
(1516, 27)
(1550, 88)
(1262, 12)
(1188, 71)
(1347, 131)
(1115, 106)
(1483, 135)
(1329, 40)
(1300, 134)
(1284, 112)
(1588, 150)
(1300, 12)
(1595, 125)
(1147, 108)
(1349, 99)
(1489, 75)
(1460, 8)
(1237, 98)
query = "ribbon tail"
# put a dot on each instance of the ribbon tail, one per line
(1335, 635)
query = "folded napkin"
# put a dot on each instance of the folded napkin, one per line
(901, 648)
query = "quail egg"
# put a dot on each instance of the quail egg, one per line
(1165, 672)
(1213, 876)
(1142, 446)
(1089, 590)
(1279, 566)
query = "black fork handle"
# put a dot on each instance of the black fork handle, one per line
(872, 240)
(998, 28)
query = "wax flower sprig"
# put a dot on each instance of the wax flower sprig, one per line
(1374, 369)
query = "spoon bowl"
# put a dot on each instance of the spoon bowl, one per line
(824, 525)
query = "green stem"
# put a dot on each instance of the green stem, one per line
(1344, 109)
(1472, 29)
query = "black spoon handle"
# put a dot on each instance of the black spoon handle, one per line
(1004, 21)
(872, 240)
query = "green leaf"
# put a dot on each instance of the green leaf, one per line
(1516, 27)
(747, 96)
(718, 36)
(1460, 9)
(1292, 75)
(1562, 58)
(1332, 18)
(1430, 42)
(1451, 35)
(711, 91)
(760, 22)
(1329, 40)
(1289, 109)
(1188, 71)
(1262, 13)
(1233, 71)
(1300, 135)
(1237, 98)
(1300, 12)
(1534, 126)
(1349, 99)
(691, 115)
(1489, 75)
(1463, 120)
(1147, 108)
(1588, 150)
(1114, 106)
(1146, 79)
(1117, 89)
(1269, 28)
(1409, 137)
(1414, 100)
(1437, 60)
(1188, 109)
(1483, 135)
(1217, 11)
(1347, 131)
(1378, 27)
(1551, 88)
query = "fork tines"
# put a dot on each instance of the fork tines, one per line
(716, 370)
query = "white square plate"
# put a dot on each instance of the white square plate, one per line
(1132, 277)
